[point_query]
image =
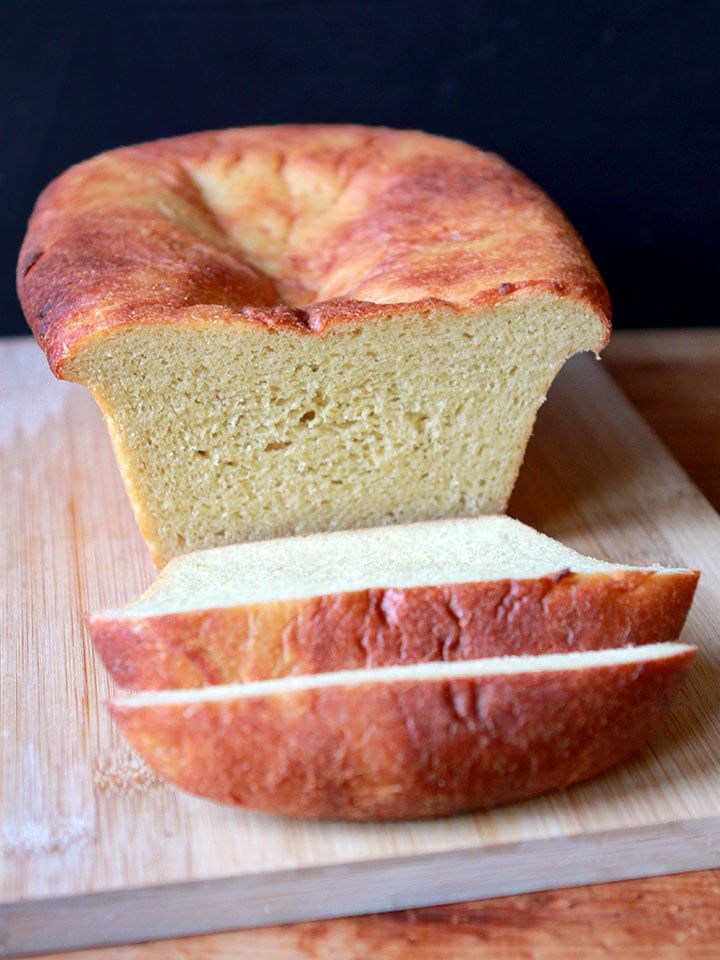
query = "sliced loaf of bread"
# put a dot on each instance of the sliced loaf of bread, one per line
(276, 320)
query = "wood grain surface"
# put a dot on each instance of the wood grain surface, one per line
(665, 520)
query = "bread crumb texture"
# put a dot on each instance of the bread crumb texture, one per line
(227, 437)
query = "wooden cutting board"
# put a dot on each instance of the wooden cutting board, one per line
(94, 850)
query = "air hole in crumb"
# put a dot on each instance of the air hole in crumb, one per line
(276, 445)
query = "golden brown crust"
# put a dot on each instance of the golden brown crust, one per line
(407, 748)
(302, 227)
(373, 628)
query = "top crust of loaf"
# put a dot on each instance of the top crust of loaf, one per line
(300, 227)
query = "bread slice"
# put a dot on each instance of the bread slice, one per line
(409, 741)
(292, 329)
(437, 590)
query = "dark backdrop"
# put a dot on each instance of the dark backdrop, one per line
(613, 107)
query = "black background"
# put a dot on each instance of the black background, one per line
(614, 108)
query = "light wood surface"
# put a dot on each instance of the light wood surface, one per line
(673, 380)
(623, 497)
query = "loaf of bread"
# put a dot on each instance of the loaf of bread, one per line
(293, 329)
(438, 590)
(408, 741)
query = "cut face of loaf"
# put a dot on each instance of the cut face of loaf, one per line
(439, 590)
(294, 329)
(411, 741)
